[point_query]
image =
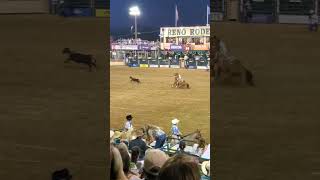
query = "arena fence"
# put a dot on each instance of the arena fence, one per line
(191, 63)
(265, 11)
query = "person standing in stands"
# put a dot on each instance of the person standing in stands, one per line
(128, 124)
(175, 129)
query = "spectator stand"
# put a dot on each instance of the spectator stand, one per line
(217, 10)
(262, 11)
(295, 11)
(84, 8)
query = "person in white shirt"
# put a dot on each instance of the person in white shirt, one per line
(128, 124)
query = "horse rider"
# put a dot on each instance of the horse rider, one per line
(175, 129)
(128, 124)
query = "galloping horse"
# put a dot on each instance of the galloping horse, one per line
(226, 67)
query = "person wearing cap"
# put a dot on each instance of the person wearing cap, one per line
(205, 169)
(128, 124)
(180, 166)
(175, 129)
(153, 162)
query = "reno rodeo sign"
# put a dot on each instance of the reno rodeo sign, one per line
(185, 31)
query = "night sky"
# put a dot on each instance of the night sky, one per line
(157, 13)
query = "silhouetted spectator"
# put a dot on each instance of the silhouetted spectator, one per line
(126, 162)
(61, 175)
(180, 167)
(116, 166)
(153, 162)
(139, 143)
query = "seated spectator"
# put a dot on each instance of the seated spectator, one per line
(61, 175)
(116, 166)
(137, 141)
(135, 165)
(182, 146)
(205, 169)
(180, 167)
(126, 162)
(153, 162)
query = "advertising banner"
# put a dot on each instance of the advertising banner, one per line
(102, 13)
(174, 63)
(144, 47)
(154, 63)
(164, 63)
(143, 63)
(174, 47)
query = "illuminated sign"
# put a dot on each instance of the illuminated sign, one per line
(185, 31)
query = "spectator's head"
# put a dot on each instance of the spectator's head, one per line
(180, 167)
(153, 161)
(124, 156)
(129, 117)
(182, 145)
(116, 172)
(61, 175)
(135, 152)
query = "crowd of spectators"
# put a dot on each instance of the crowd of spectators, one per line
(135, 163)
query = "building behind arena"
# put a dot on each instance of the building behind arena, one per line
(265, 11)
(185, 39)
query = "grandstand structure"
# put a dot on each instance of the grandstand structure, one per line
(265, 11)
(99, 8)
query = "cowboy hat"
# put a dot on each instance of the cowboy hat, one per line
(136, 133)
(111, 133)
(175, 121)
(116, 134)
(205, 168)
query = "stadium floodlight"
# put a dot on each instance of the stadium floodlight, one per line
(135, 11)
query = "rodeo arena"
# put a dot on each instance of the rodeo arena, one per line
(178, 50)
(177, 64)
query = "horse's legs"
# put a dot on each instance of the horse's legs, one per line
(90, 67)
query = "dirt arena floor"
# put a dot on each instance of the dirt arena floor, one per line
(51, 113)
(270, 131)
(155, 102)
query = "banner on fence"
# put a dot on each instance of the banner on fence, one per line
(102, 13)
(174, 63)
(143, 63)
(164, 63)
(191, 63)
(154, 63)
(133, 62)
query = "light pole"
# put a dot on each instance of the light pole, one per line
(134, 11)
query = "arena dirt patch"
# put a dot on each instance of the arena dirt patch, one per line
(51, 113)
(154, 101)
